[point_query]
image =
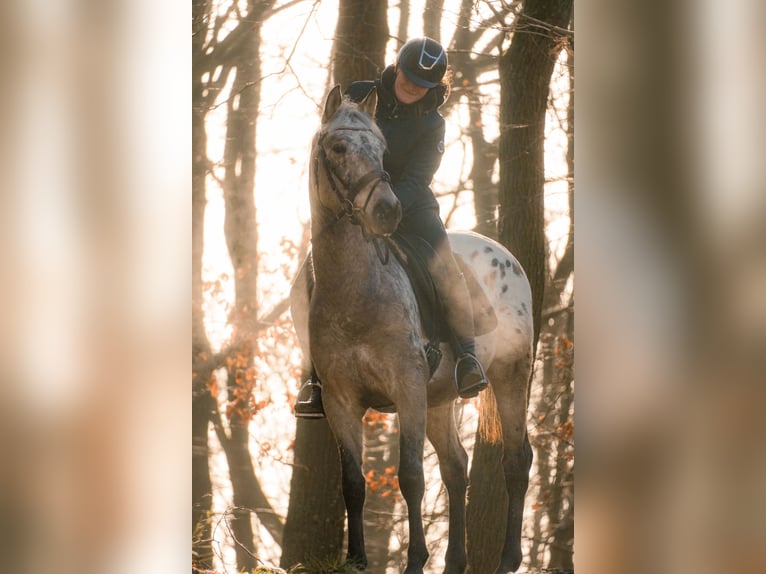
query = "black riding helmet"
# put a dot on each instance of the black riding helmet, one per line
(423, 61)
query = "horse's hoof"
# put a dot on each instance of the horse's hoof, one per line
(455, 565)
(358, 564)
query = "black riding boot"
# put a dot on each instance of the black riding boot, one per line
(470, 378)
(309, 402)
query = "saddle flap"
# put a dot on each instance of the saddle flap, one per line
(413, 252)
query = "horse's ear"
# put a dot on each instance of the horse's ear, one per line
(367, 105)
(332, 104)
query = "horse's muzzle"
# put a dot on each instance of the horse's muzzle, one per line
(386, 214)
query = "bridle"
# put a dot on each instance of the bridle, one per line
(347, 201)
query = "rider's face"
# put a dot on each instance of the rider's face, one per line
(406, 91)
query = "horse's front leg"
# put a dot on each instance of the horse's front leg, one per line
(347, 428)
(453, 465)
(412, 423)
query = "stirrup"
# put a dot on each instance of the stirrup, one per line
(309, 402)
(472, 380)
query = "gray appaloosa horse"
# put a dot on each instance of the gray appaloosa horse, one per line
(363, 331)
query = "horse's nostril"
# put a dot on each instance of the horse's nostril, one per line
(387, 212)
(382, 211)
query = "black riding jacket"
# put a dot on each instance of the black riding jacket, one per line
(414, 136)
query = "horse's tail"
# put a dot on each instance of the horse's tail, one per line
(490, 429)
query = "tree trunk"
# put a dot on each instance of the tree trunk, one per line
(487, 507)
(432, 19)
(202, 490)
(315, 516)
(563, 533)
(404, 22)
(561, 519)
(525, 73)
(360, 41)
(242, 242)
(566, 265)
(562, 544)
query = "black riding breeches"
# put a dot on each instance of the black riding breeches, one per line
(425, 222)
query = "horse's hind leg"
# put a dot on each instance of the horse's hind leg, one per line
(453, 465)
(411, 481)
(348, 435)
(510, 384)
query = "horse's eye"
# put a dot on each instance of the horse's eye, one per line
(339, 147)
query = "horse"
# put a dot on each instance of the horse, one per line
(362, 330)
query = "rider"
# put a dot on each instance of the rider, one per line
(409, 95)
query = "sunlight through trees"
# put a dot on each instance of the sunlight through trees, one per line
(266, 489)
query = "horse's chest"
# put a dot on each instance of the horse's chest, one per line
(347, 319)
(338, 327)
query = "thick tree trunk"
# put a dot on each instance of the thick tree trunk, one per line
(525, 73)
(487, 507)
(315, 516)
(360, 41)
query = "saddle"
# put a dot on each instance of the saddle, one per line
(413, 253)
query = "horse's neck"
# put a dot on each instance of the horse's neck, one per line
(343, 260)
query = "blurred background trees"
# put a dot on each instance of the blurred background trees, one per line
(265, 486)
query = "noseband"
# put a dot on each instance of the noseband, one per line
(353, 189)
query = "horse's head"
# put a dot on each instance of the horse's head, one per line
(348, 174)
